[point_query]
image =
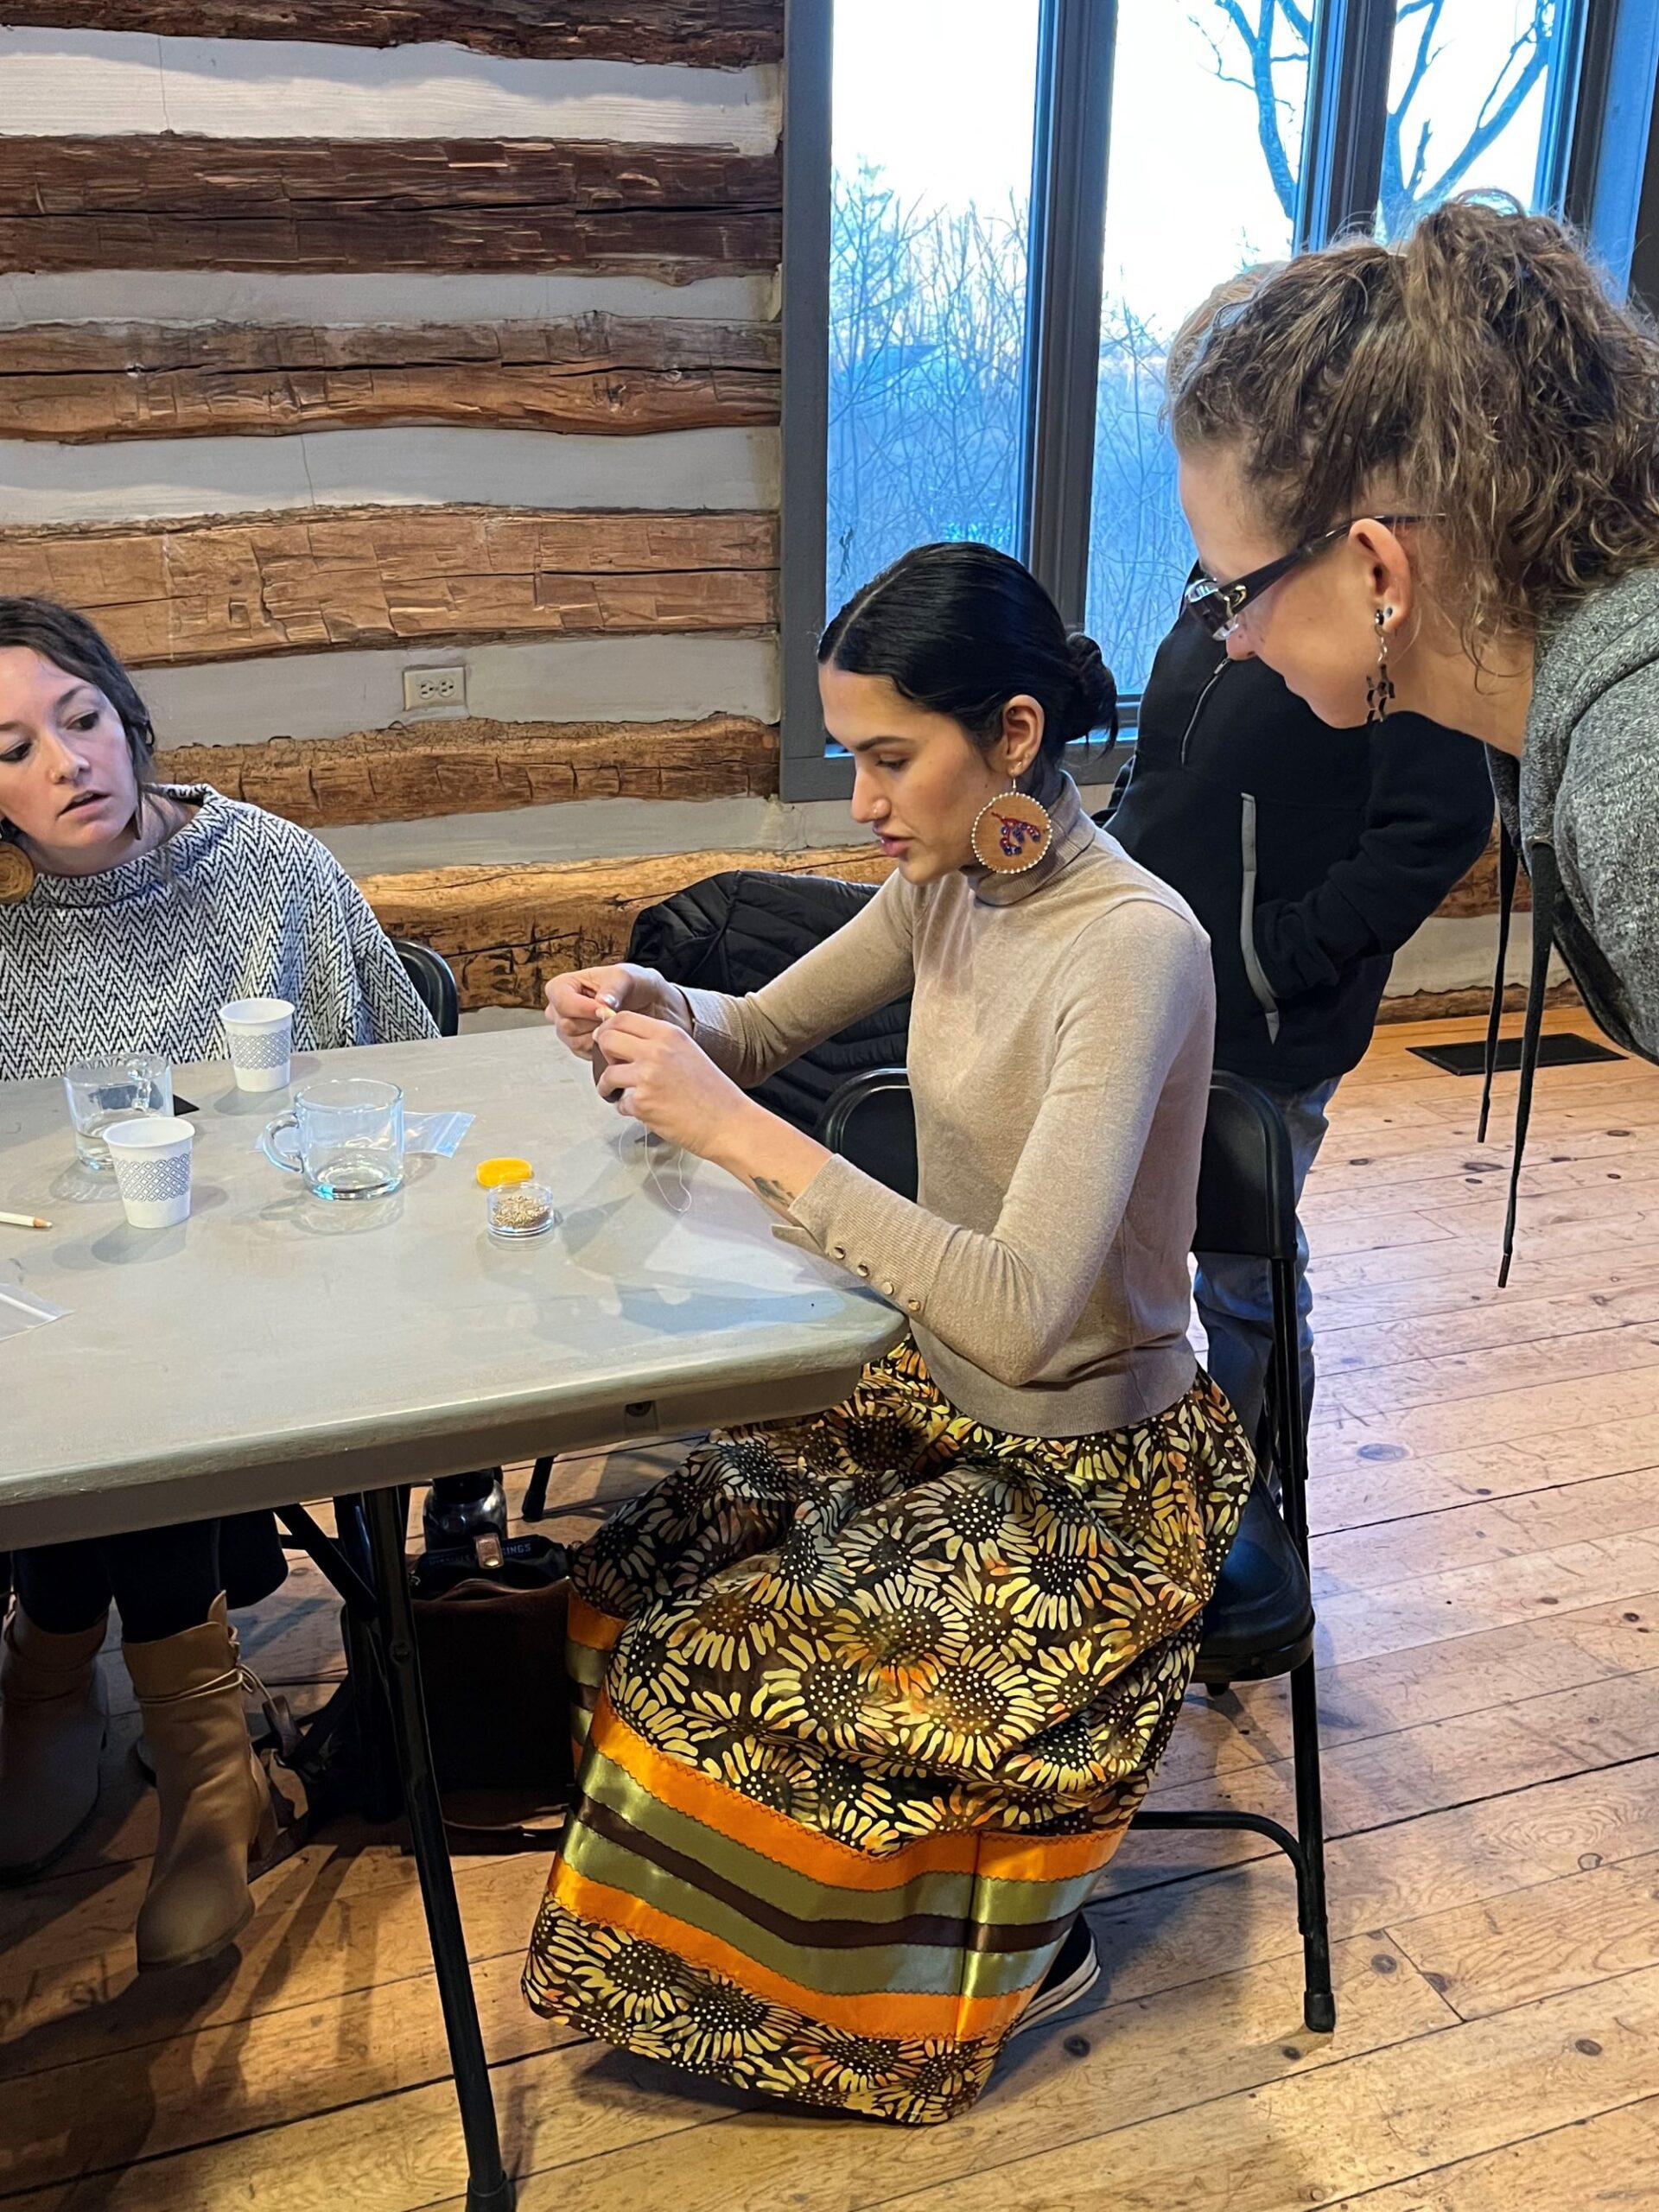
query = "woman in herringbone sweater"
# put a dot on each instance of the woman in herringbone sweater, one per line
(130, 912)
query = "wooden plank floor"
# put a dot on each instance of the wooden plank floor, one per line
(1486, 1499)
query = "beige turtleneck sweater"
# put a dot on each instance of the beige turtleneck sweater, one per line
(1060, 1058)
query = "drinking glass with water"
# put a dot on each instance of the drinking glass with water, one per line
(101, 1093)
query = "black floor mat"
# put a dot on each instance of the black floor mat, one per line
(1562, 1050)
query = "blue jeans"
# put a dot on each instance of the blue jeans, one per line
(1235, 1296)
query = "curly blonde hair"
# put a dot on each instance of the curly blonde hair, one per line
(1475, 371)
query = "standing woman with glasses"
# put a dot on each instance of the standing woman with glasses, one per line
(868, 1698)
(1426, 475)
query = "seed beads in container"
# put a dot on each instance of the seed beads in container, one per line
(515, 1205)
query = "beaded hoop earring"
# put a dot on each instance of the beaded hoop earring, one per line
(1010, 834)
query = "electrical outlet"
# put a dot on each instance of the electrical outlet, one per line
(435, 686)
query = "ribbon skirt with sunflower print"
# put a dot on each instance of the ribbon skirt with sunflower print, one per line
(863, 1703)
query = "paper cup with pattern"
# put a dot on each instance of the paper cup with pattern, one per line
(152, 1168)
(261, 1033)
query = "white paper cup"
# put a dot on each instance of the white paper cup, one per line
(152, 1168)
(261, 1033)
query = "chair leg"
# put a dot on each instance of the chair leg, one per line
(535, 1504)
(1319, 2002)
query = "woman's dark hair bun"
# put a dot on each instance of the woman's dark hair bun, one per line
(1096, 692)
(961, 629)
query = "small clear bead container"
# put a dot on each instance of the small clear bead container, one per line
(518, 1210)
(515, 1205)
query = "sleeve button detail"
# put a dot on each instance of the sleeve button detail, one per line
(914, 1304)
(862, 1270)
(887, 1290)
(837, 1251)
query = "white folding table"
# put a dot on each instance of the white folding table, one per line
(276, 1347)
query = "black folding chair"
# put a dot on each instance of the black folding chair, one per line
(1260, 1622)
(434, 982)
(871, 1121)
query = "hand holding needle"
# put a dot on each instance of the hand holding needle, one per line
(609, 999)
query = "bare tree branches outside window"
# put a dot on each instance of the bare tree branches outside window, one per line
(927, 349)
(1423, 162)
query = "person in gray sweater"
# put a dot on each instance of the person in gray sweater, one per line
(1426, 474)
(131, 911)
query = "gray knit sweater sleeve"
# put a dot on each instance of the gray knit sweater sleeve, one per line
(1607, 841)
(1585, 785)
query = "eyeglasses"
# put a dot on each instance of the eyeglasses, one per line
(1218, 607)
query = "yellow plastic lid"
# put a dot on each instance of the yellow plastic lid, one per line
(493, 1174)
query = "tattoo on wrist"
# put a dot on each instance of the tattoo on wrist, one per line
(775, 1194)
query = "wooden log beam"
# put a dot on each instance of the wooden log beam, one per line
(170, 173)
(169, 201)
(476, 767)
(1442, 1005)
(173, 592)
(710, 34)
(506, 931)
(79, 382)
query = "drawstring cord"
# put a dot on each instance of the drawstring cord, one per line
(1545, 885)
(1508, 868)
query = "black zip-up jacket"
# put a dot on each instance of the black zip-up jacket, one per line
(1309, 853)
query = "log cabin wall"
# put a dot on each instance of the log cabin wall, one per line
(344, 344)
(1446, 968)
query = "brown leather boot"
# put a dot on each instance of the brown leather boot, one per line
(54, 1718)
(220, 1818)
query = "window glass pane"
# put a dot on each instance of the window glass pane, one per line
(1207, 103)
(1466, 101)
(933, 111)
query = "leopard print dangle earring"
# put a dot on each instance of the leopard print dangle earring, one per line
(1379, 689)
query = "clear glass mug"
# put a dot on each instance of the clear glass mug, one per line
(101, 1093)
(344, 1138)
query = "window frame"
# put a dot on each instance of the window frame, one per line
(1592, 154)
(806, 769)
